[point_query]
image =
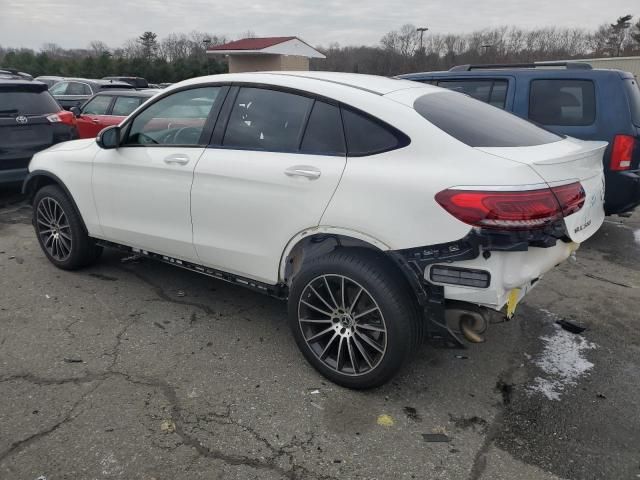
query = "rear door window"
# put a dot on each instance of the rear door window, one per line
(562, 102)
(24, 102)
(489, 90)
(97, 105)
(478, 124)
(59, 88)
(324, 134)
(77, 88)
(123, 106)
(368, 136)
(633, 93)
(264, 119)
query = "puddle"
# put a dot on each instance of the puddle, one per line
(562, 361)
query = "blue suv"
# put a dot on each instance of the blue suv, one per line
(568, 98)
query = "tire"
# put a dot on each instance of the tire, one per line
(60, 231)
(364, 340)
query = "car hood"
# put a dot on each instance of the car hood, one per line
(72, 145)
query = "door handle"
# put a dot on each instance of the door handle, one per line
(176, 160)
(306, 171)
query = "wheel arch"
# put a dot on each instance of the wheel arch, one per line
(41, 178)
(316, 241)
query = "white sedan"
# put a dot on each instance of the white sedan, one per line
(384, 210)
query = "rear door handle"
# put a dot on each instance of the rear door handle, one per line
(306, 171)
(176, 159)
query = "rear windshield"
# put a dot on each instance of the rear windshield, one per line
(24, 102)
(478, 124)
(633, 92)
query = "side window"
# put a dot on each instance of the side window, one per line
(178, 119)
(59, 88)
(123, 106)
(489, 91)
(267, 120)
(97, 105)
(562, 102)
(77, 88)
(366, 136)
(324, 134)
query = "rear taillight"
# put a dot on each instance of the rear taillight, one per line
(513, 210)
(67, 118)
(622, 152)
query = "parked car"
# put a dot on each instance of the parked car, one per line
(381, 210)
(50, 80)
(73, 92)
(108, 108)
(12, 73)
(568, 98)
(136, 82)
(30, 121)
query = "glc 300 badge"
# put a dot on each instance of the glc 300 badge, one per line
(21, 119)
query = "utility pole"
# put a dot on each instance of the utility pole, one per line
(206, 42)
(421, 30)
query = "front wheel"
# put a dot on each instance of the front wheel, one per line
(352, 317)
(60, 232)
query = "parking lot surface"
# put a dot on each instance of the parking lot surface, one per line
(138, 370)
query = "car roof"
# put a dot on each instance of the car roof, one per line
(21, 81)
(97, 82)
(369, 83)
(147, 92)
(519, 72)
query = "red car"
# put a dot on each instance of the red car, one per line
(108, 108)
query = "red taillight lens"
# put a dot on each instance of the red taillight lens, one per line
(514, 210)
(68, 118)
(622, 152)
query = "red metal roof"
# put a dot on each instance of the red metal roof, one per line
(252, 43)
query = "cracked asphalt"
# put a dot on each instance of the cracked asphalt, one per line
(139, 370)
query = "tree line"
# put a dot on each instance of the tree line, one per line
(180, 56)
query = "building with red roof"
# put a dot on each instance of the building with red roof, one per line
(266, 54)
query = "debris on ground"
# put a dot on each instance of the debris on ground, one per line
(570, 326)
(412, 414)
(314, 392)
(601, 395)
(72, 360)
(167, 426)
(462, 357)
(131, 259)
(436, 438)
(385, 420)
(159, 325)
(180, 293)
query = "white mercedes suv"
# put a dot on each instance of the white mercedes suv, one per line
(384, 210)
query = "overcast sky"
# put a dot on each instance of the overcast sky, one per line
(74, 23)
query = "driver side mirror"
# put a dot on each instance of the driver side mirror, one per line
(109, 138)
(76, 111)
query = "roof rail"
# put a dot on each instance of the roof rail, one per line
(568, 65)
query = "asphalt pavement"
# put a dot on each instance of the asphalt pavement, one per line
(133, 369)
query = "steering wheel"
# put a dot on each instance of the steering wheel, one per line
(195, 131)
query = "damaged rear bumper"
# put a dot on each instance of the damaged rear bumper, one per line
(480, 271)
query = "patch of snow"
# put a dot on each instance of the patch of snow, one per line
(562, 361)
(636, 236)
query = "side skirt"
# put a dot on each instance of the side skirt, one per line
(278, 291)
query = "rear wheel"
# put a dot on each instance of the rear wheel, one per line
(352, 318)
(60, 232)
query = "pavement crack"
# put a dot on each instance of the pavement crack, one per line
(20, 445)
(163, 295)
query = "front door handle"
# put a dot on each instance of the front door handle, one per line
(306, 171)
(176, 160)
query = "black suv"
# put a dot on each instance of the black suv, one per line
(568, 98)
(30, 121)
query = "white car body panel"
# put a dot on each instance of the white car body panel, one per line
(245, 208)
(247, 214)
(144, 202)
